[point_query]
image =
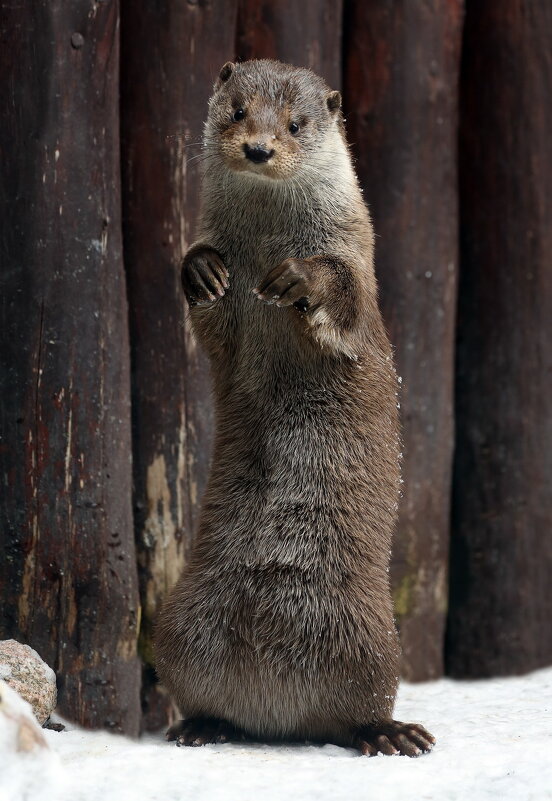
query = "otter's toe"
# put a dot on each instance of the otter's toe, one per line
(393, 737)
(194, 732)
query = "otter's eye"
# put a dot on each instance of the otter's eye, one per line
(239, 114)
(294, 128)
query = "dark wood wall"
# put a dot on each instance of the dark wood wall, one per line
(99, 183)
(501, 592)
(163, 102)
(401, 76)
(68, 575)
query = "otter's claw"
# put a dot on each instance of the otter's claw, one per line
(288, 284)
(393, 737)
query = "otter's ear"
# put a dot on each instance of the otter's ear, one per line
(334, 102)
(224, 74)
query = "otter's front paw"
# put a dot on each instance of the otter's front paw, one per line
(290, 283)
(204, 276)
(393, 737)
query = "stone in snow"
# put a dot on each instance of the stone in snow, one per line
(26, 673)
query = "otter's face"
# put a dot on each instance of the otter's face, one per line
(269, 119)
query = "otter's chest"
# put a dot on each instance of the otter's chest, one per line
(260, 334)
(263, 333)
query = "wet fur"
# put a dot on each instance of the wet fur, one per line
(282, 622)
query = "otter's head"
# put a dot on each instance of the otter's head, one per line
(270, 119)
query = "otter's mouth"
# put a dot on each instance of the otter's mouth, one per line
(261, 159)
(259, 166)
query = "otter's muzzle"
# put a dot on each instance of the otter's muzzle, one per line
(258, 154)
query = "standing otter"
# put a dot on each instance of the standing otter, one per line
(281, 626)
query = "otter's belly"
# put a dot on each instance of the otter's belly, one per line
(274, 618)
(275, 653)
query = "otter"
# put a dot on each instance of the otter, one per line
(281, 626)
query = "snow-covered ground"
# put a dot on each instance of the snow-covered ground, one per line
(494, 741)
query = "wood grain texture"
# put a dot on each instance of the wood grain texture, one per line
(68, 578)
(171, 54)
(401, 71)
(304, 34)
(501, 560)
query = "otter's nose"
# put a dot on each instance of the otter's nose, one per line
(258, 154)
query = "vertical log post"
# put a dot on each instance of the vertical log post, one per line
(171, 55)
(401, 69)
(501, 559)
(305, 34)
(68, 578)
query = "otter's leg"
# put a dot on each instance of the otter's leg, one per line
(393, 737)
(200, 731)
(326, 292)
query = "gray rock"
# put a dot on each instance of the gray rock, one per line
(25, 672)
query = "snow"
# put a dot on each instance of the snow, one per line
(494, 742)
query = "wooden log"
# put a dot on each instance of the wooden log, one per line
(171, 55)
(305, 34)
(68, 578)
(401, 68)
(501, 593)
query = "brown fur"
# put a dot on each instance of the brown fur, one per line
(282, 623)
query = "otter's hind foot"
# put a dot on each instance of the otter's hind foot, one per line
(200, 731)
(393, 737)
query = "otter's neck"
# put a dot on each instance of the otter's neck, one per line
(324, 186)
